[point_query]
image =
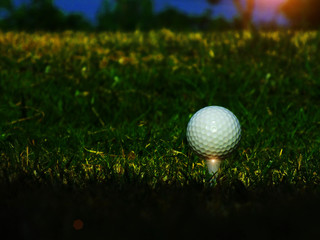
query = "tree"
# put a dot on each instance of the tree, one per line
(6, 8)
(147, 15)
(173, 19)
(126, 15)
(75, 21)
(7, 5)
(302, 13)
(105, 16)
(213, 1)
(38, 15)
(245, 12)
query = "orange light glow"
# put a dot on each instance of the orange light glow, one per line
(265, 4)
(78, 224)
(213, 160)
(213, 165)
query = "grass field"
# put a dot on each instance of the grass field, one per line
(92, 135)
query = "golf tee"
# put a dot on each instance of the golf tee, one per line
(213, 165)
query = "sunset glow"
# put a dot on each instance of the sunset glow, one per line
(260, 4)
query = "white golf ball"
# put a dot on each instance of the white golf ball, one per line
(213, 132)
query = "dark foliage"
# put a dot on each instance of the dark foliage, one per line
(41, 15)
(302, 13)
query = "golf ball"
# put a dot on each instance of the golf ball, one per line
(213, 132)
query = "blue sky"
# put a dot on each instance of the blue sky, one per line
(265, 10)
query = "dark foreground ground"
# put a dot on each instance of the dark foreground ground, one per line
(192, 212)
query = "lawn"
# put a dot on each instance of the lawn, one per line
(93, 125)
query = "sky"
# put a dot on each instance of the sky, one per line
(265, 10)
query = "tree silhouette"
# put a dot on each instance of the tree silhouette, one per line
(302, 13)
(6, 8)
(173, 19)
(105, 16)
(76, 21)
(213, 1)
(245, 12)
(40, 15)
(7, 5)
(126, 15)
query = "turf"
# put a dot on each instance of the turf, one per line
(93, 128)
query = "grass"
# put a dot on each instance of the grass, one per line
(93, 128)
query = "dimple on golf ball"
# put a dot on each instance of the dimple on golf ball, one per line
(213, 132)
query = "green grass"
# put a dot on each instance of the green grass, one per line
(93, 128)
